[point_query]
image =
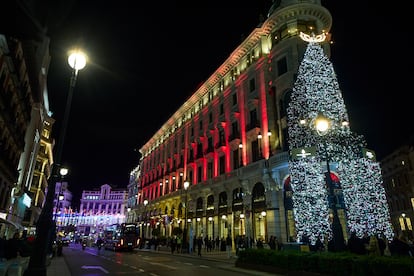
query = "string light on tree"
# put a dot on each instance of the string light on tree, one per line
(316, 91)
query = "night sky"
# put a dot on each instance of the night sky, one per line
(147, 60)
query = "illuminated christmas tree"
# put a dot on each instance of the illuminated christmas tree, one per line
(332, 175)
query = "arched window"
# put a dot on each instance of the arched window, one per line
(284, 102)
(223, 199)
(180, 210)
(258, 197)
(199, 204)
(237, 204)
(210, 201)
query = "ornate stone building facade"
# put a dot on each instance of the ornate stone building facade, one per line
(25, 128)
(101, 208)
(229, 139)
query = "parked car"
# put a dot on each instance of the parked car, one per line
(65, 242)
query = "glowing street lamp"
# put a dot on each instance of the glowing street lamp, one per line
(63, 172)
(323, 126)
(45, 224)
(241, 154)
(242, 226)
(259, 140)
(262, 216)
(269, 133)
(144, 224)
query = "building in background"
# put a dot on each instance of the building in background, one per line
(24, 120)
(133, 191)
(398, 175)
(63, 213)
(100, 208)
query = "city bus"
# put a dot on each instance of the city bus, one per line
(121, 237)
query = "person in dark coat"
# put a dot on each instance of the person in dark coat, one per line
(382, 243)
(173, 244)
(229, 245)
(13, 248)
(272, 242)
(356, 245)
(3, 247)
(199, 245)
(399, 247)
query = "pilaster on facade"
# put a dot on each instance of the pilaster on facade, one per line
(229, 140)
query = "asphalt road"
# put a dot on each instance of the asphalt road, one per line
(92, 261)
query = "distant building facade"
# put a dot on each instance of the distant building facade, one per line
(100, 208)
(133, 192)
(398, 175)
(62, 211)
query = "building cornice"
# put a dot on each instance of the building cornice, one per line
(276, 20)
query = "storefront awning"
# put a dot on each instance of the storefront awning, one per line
(14, 224)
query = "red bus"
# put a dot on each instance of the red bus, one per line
(121, 237)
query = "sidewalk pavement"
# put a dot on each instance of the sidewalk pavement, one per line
(58, 265)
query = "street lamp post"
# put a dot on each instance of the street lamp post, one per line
(269, 133)
(242, 226)
(322, 127)
(63, 172)
(186, 185)
(45, 225)
(128, 214)
(145, 218)
(240, 155)
(259, 140)
(181, 180)
(262, 216)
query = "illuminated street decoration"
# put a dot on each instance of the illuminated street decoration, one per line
(303, 152)
(362, 202)
(313, 38)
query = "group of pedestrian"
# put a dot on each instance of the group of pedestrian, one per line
(225, 243)
(274, 243)
(378, 245)
(18, 246)
(175, 244)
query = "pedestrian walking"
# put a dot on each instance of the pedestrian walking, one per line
(199, 245)
(173, 244)
(179, 241)
(229, 244)
(13, 246)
